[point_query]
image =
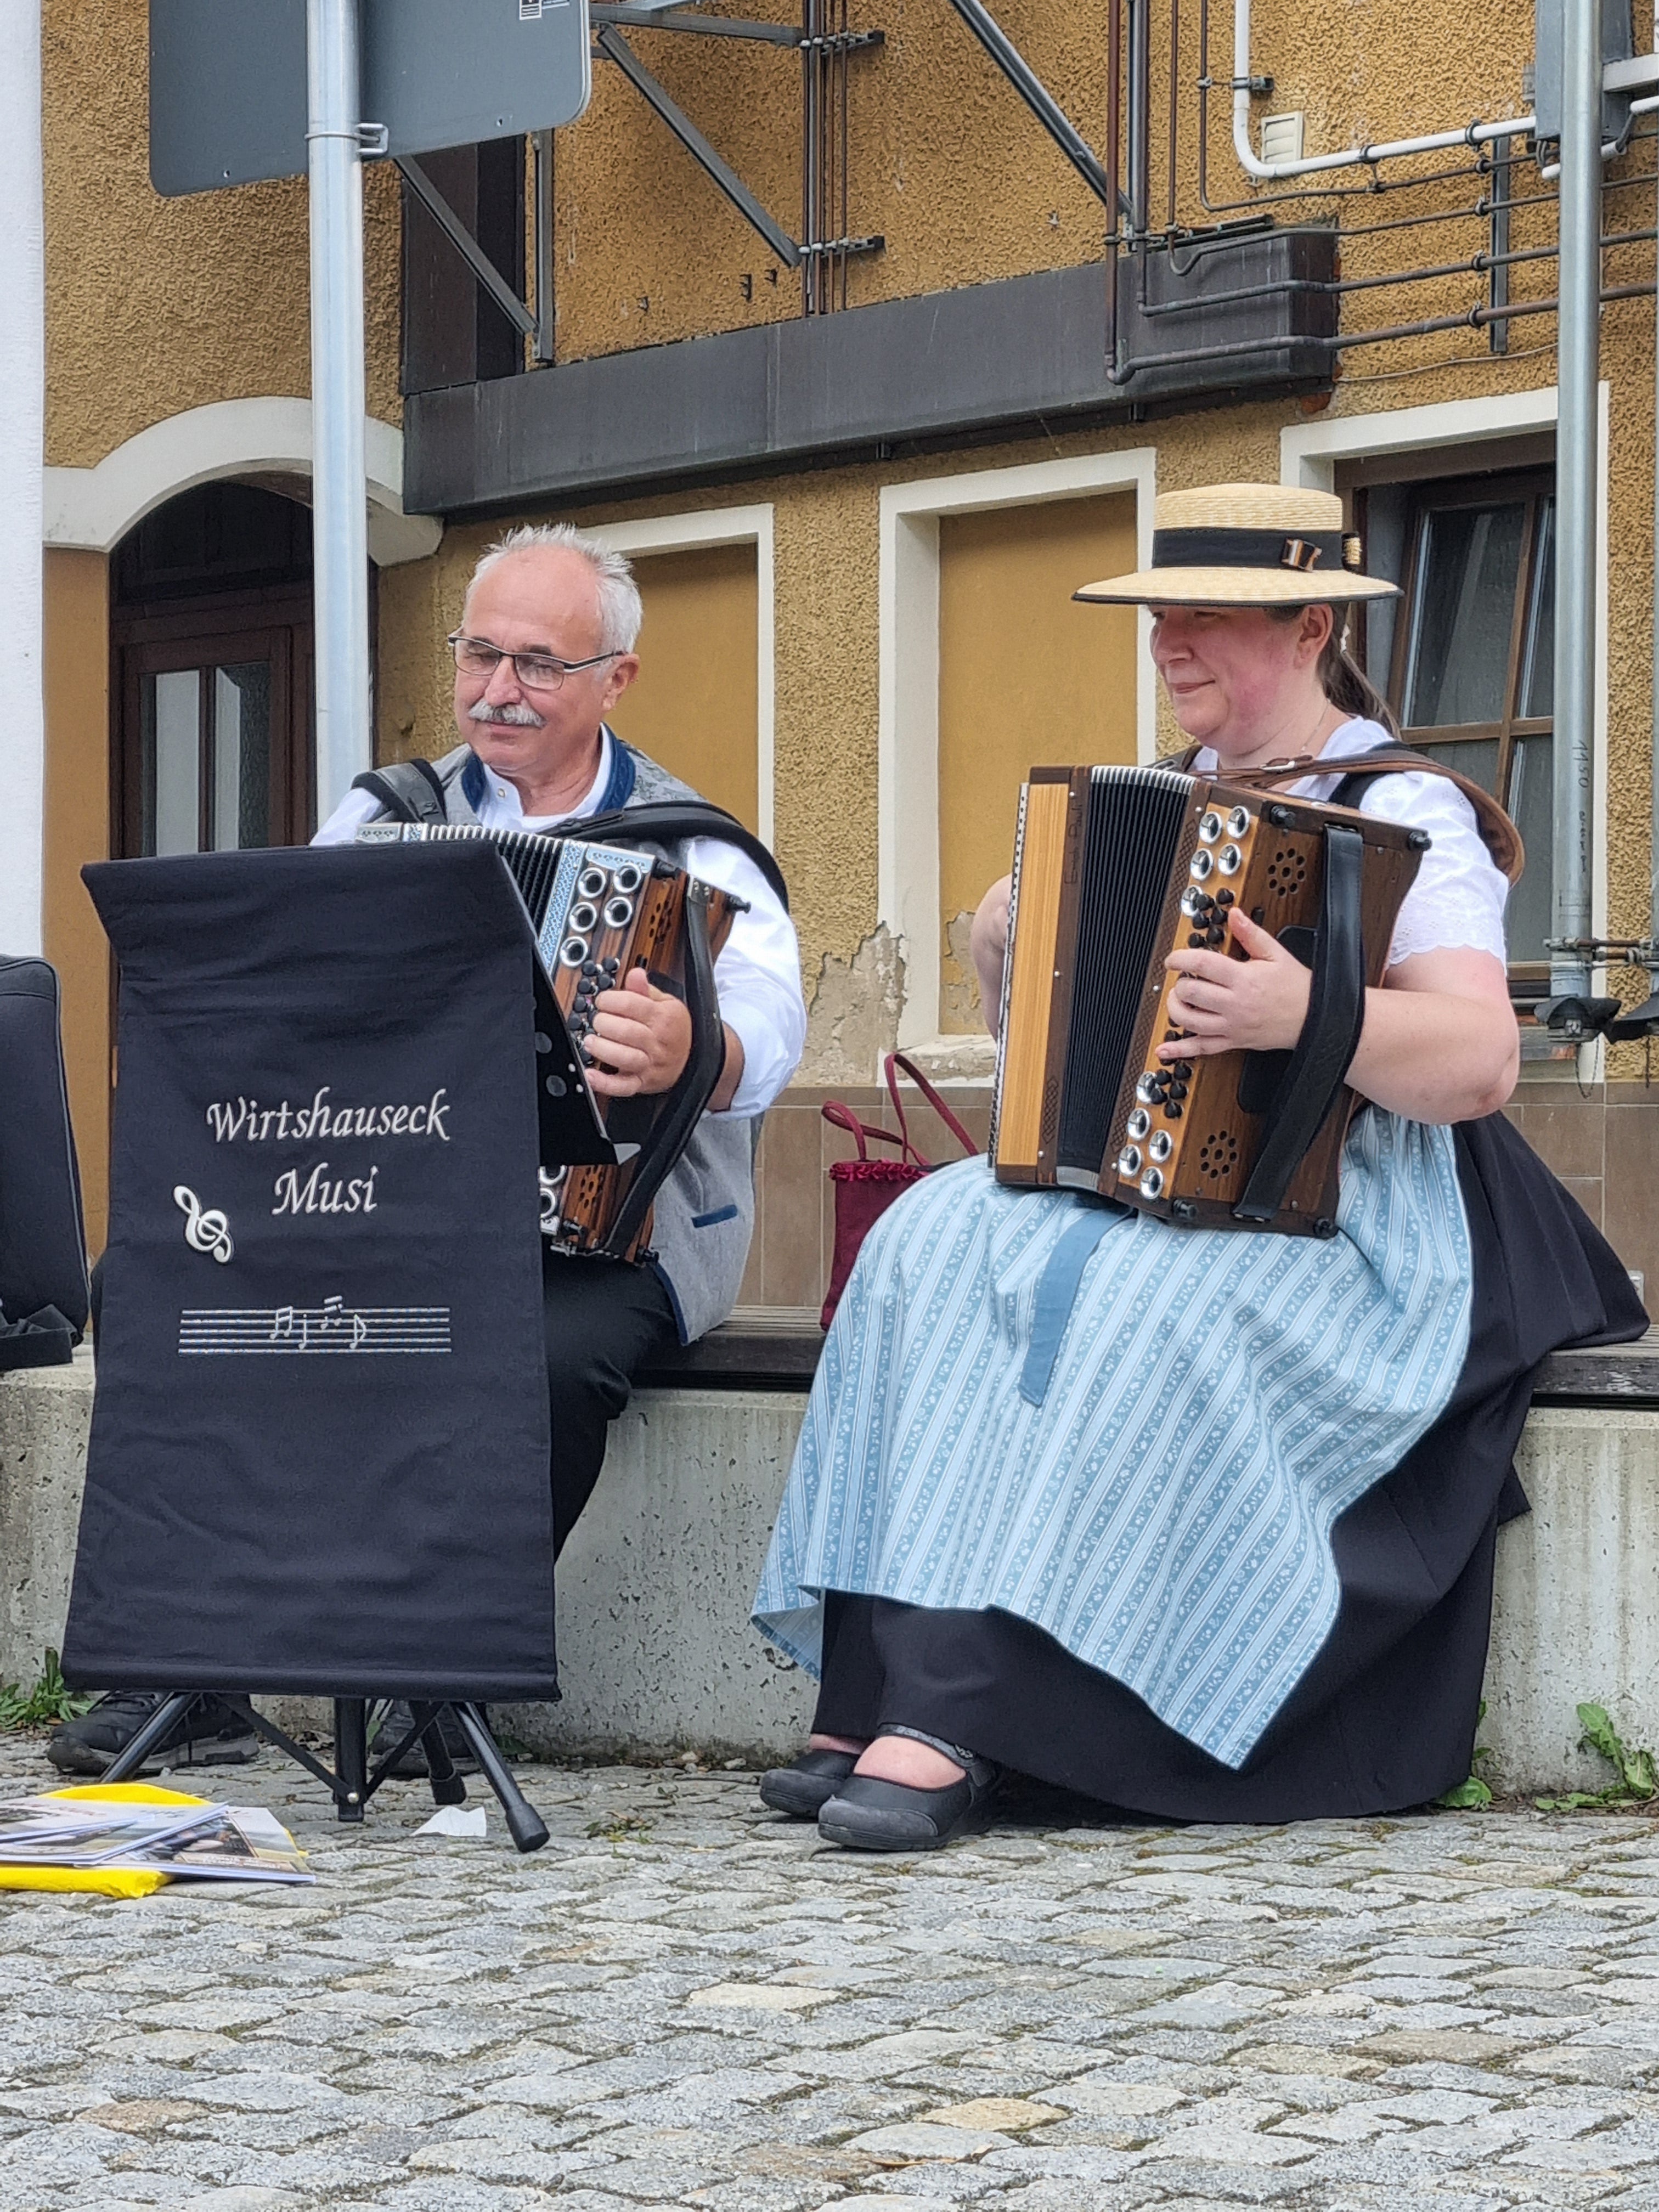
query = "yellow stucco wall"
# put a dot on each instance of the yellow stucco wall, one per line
(1026, 674)
(694, 706)
(156, 306)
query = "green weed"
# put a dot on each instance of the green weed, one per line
(1635, 1781)
(49, 1702)
(1472, 1794)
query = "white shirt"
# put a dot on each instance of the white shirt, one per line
(757, 973)
(1458, 896)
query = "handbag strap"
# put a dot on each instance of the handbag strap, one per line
(843, 1117)
(897, 1061)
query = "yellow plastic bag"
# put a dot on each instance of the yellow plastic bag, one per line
(101, 1881)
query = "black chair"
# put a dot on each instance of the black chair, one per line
(43, 1290)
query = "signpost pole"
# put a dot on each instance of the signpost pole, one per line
(340, 518)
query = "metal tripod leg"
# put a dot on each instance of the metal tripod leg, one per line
(447, 1787)
(351, 1755)
(524, 1824)
(127, 1763)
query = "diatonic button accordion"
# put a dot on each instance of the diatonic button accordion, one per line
(1115, 868)
(597, 911)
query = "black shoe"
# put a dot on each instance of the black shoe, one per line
(803, 1790)
(396, 1721)
(209, 1734)
(868, 1814)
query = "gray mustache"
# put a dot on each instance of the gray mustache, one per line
(518, 716)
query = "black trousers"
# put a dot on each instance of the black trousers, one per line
(604, 1318)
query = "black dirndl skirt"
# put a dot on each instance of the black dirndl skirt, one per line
(1385, 1717)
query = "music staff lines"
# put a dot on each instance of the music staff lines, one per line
(332, 1329)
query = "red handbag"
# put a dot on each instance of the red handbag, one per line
(863, 1188)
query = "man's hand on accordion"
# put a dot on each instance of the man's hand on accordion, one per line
(641, 1039)
(1225, 1004)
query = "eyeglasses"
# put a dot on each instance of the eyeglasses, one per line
(537, 672)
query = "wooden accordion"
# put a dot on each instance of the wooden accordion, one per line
(596, 911)
(1115, 868)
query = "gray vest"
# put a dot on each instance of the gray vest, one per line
(705, 1211)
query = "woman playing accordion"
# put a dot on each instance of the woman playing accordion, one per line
(1229, 1556)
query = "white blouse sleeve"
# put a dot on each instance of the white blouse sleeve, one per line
(1459, 892)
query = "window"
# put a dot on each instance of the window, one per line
(1467, 655)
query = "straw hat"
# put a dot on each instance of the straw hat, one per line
(1250, 545)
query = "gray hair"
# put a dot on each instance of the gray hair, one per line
(620, 610)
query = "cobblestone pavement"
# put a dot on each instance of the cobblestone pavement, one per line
(683, 2002)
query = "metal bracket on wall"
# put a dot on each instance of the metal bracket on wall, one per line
(522, 317)
(611, 43)
(1043, 104)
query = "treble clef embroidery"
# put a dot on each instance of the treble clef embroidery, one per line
(206, 1229)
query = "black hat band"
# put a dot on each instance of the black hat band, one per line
(1307, 552)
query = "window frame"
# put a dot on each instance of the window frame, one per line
(262, 626)
(1534, 486)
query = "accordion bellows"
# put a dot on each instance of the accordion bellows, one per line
(1114, 868)
(597, 911)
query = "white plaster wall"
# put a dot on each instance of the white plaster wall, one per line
(22, 431)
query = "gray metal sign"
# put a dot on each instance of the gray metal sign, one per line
(227, 79)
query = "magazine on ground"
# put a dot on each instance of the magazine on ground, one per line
(235, 1842)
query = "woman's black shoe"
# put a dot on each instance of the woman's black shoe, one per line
(802, 1789)
(868, 1814)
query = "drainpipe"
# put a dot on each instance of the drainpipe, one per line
(339, 491)
(1578, 336)
(22, 372)
(1273, 173)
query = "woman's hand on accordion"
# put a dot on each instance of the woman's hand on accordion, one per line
(1224, 1004)
(641, 1039)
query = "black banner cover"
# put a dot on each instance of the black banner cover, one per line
(319, 1447)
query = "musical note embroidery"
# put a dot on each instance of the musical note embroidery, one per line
(333, 1326)
(205, 1230)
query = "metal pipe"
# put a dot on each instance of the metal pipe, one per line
(1140, 118)
(1578, 344)
(1273, 173)
(339, 489)
(1497, 260)
(1476, 320)
(1114, 94)
(1653, 853)
(542, 344)
(1478, 265)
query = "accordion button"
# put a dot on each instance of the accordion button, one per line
(1216, 934)
(590, 967)
(1172, 1110)
(1183, 1070)
(1223, 898)
(1178, 1091)
(1196, 938)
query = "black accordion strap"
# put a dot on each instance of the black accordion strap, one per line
(672, 1130)
(675, 822)
(1330, 1036)
(410, 791)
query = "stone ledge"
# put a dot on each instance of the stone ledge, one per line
(655, 1588)
(777, 1347)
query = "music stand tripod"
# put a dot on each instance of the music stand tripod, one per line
(351, 1782)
